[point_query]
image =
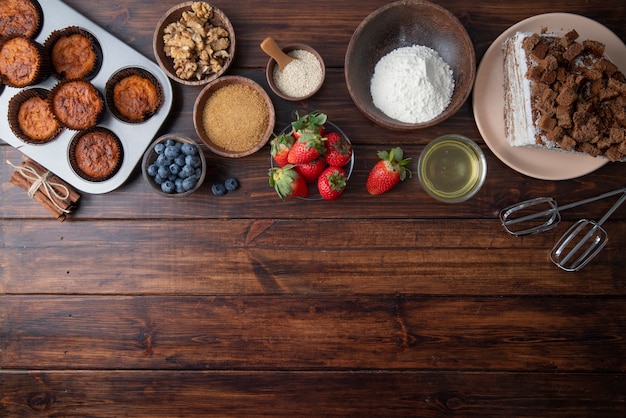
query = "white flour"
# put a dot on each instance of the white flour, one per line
(412, 84)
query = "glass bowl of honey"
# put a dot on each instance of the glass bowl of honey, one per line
(452, 168)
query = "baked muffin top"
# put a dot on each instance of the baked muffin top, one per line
(19, 18)
(77, 104)
(97, 154)
(135, 97)
(73, 56)
(20, 62)
(36, 120)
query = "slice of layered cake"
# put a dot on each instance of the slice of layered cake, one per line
(562, 94)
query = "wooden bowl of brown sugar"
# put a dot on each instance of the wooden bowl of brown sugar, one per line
(234, 116)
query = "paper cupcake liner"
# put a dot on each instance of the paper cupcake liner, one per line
(13, 115)
(119, 76)
(74, 30)
(31, 33)
(75, 125)
(42, 72)
(72, 154)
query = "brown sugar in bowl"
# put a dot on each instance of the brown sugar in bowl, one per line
(234, 116)
(167, 64)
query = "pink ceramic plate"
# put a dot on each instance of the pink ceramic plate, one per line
(488, 99)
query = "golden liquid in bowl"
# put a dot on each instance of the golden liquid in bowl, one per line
(451, 169)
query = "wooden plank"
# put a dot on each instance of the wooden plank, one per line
(313, 333)
(257, 200)
(450, 257)
(288, 394)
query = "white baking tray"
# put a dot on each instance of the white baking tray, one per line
(135, 137)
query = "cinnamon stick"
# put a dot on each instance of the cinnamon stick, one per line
(22, 177)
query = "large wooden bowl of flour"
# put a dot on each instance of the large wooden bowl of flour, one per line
(418, 61)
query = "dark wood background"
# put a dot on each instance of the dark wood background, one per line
(245, 305)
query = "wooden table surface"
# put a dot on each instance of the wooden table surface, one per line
(245, 305)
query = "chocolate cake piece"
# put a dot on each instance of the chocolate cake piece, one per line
(561, 93)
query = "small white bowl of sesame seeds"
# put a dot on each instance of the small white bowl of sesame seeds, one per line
(301, 78)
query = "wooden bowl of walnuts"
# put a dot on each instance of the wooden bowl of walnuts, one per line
(188, 62)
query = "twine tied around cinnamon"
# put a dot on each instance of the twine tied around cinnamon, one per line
(56, 196)
(42, 181)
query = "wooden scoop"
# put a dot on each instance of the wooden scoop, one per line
(271, 48)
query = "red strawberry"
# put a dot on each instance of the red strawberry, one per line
(312, 123)
(307, 148)
(288, 182)
(332, 182)
(311, 171)
(388, 172)
(280, 147)
(338, 150)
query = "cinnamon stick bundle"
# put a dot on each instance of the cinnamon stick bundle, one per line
(52, 193)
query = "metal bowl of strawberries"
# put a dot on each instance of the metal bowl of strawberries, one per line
(311, 159)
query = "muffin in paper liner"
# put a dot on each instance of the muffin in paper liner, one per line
(96, 154)
(74, 53)
(20, 18)
(134, 95)
(77, 104)
(31, 119)
(20, 52)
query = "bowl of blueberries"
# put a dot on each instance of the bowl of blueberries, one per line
(174, 165)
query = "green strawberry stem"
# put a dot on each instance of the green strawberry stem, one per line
(395, 157)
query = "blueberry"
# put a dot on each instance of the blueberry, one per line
(189, 149)
(171, 152)
(152, 170)
(168, 187)
(159, 148)
(186, 171)
(163, 160)
(158, 180)
(163, 171)
(174, 168)
(189, 183)
(218, 189)
(193, 160)
(180, 160)
(231, 184)
(170, 142)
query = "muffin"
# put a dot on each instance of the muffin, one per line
(134, 95)
(77, 104)
(96, 154)
(20, 18)
(22, 62)
(74, 53)
(30, 117)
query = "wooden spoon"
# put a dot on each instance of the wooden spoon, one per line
(271, 48)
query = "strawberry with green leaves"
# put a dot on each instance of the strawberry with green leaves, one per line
(332, 182)
(279, 148)
(312, 123)
(388, 172)
(288, 182)
(338, 150)
(308, 147)
(311, 171)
